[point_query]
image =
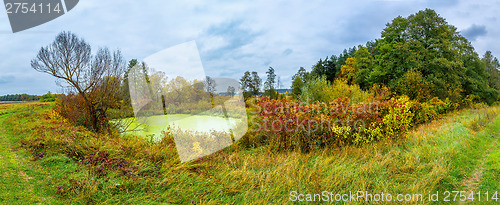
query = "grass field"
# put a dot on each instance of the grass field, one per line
(47, 161)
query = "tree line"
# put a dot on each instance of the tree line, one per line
(420, 56)
(48, 97)
(19, 97)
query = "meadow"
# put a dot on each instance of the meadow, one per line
(409, 118)
(45, 159)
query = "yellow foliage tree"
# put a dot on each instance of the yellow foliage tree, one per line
(348, 71)
(413, 85)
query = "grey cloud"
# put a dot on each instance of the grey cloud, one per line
(7, 79)
(229, 56)
(287, 52)
(236, 36)
(367, 22)
(474, 31)
(442, 3)
(232, 36)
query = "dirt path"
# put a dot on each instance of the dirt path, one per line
(471, 184)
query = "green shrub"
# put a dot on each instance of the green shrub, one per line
(49, 97)
(413, 85)
(399, 118)
(321, 90)
(423, 112)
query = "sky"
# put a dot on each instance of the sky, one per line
(232, 36)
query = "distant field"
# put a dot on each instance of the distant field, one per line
(11, 102)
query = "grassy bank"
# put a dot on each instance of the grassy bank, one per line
(65, 164)
(22, 180)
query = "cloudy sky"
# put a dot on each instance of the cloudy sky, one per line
(232, 37)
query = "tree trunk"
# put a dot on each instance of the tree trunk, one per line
(93, 118)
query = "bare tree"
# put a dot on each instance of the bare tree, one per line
(278, 83)
(210, 85)
(230, 91)
(210, 88)
(96, 78)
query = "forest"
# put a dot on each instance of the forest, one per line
(420, 56)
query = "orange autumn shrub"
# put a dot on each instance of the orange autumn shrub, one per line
(290, 125)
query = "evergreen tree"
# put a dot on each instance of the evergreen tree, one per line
(269, 88)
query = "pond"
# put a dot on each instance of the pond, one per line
(156, 124)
